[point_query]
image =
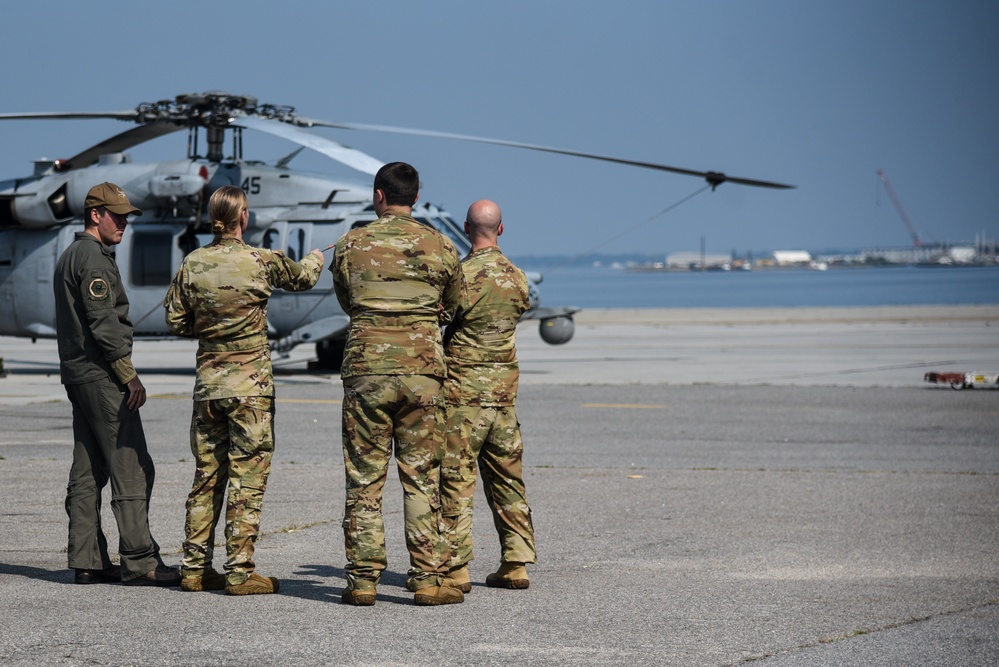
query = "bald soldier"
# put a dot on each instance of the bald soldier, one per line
(481, 391)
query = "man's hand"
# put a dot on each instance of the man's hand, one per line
(136, 394)
(319, 252)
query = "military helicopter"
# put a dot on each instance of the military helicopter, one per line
(292, 211)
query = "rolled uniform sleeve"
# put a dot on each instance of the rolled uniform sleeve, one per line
(124, 370)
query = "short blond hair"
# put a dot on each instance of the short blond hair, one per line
(226, 206)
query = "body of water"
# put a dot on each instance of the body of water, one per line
(837, 287)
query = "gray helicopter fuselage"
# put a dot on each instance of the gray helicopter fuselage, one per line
(293, 212)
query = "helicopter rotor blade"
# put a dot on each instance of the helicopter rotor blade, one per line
(119, 143)
(713, 178)
(351, 157)
(115, 144)
(64, 115)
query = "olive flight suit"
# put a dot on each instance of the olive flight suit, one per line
(95, 347)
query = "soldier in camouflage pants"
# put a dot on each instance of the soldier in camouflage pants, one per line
(409, 411)
(399, 280)
(220, 296)
(239, 432)
(481, 390)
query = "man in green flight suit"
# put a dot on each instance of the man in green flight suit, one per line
(399, 280)
(481, 390)
(95, 363)
(220, 296)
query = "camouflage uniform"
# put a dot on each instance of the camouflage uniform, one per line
(481, 391)
(220, 295)
(399, 280)
(95, 348)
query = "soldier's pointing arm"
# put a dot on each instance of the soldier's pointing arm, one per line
(296, 276)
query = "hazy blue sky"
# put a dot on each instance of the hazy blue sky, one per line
(819, 95)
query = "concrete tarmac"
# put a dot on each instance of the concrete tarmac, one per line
(773, 487)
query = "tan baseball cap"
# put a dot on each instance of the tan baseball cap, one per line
(111, 197)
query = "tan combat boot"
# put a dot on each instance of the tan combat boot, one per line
(509, 575)
(359, 598)
(254, 585)
(438, 595)
(205, 580)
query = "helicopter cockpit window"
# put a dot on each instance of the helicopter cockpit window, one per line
(150, 262)
(296, 249)
(458, 235)
(442, 225)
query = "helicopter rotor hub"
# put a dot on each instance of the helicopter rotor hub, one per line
(210, 110)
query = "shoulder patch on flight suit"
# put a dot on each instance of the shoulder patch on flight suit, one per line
(98, 289)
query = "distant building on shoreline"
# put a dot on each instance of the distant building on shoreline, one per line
(792, 257)
(695, 261)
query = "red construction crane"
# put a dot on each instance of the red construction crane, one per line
(916, 241)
